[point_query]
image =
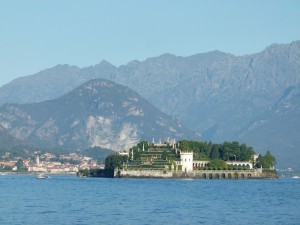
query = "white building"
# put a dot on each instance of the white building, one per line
(186, 161)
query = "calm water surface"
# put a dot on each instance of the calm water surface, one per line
(70, 200)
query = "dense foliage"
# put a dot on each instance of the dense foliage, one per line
(115, 161)
(228, 151)
(96, 173)
(266, 161)
(217, 164)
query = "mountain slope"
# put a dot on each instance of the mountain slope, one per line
(9, 143)
(278, 129)
(97, 113)
(6, 140)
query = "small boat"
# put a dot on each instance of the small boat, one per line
(42, 176)
(295, 177)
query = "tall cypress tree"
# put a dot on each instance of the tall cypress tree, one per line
(215, 154)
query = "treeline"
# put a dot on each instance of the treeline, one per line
(109, 173)
(228, 151)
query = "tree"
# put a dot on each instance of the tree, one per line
(20, 165)
(246, 153)
(215, 154)
(164, 155)
(226, 152)
(201, 150)
(269, 160)
(235, 151)
(83, 172)
(115, 161)
(266, 161)
(185, 146)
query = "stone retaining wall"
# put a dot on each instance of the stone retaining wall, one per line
(196, 174)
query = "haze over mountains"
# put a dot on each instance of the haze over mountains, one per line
(252, 98)
(8, 141)
(97, 113)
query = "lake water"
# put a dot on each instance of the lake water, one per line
(70, 200)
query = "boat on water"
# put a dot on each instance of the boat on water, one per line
(42, 176)
(295, 177)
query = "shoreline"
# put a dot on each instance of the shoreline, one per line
(171, 174)
(35, 173)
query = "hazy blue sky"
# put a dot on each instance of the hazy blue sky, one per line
(35, 34)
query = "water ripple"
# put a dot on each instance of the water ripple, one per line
(68, 200)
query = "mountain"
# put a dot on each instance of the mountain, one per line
(200, 90)
(216, 94)
(9, 143)
(278, 128)
(50, 83)
(6, 140)
(97, 113)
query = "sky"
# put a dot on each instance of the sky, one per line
(36, 35)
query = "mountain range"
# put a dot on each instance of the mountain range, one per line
(252, 98)
(97, 113)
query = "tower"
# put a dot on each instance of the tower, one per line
(186, 159)
(174, 143)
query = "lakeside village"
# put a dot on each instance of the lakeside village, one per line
(187, 159)
(171, 159)
(47, 163)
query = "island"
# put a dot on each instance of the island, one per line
(187, 159)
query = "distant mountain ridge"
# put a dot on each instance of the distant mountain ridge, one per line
(8, 143)
(216, 94)
(6, 140)
(97, 113)
(278, 128)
